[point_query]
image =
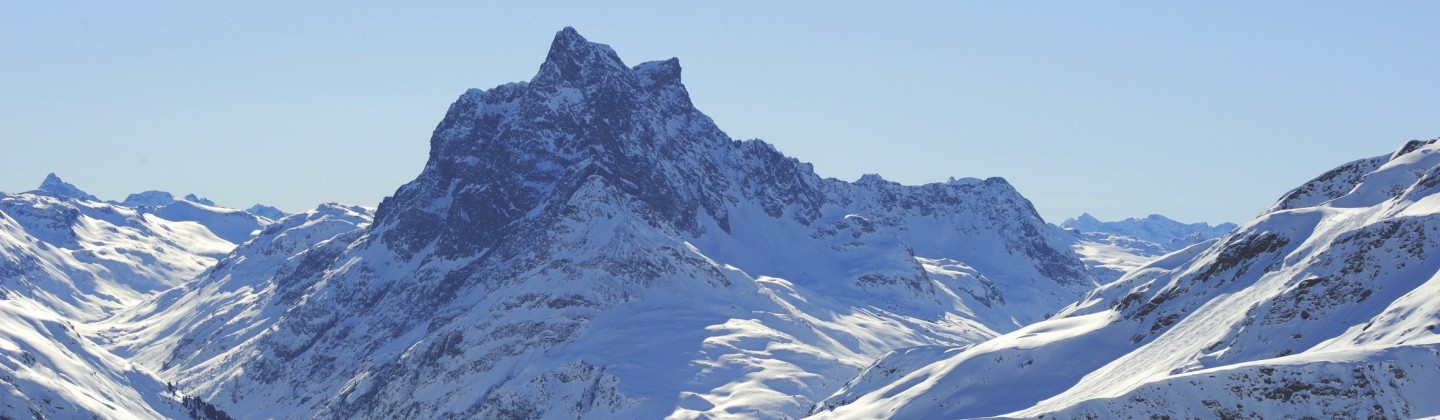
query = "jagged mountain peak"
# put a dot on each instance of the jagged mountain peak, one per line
(574, 60)
(499, 153)
(873, 179)
(1084, 218)
(197, 199)
(53, 185)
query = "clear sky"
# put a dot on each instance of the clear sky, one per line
(1202, 111)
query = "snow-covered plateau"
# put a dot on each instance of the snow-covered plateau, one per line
(588, 244)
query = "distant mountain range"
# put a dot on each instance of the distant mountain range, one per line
(1114, 248)
(588, 244)
(1164, 234)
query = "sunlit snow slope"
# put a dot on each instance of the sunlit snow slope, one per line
(67, 260)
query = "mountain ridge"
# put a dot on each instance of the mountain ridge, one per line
(1319, 307)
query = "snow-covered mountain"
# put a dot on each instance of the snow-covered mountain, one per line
(56, 187)
(268, 212)
(1326, 305)
(233, 225)
(68, 259)
(86, 259)
(1114, 248)
(1165, 234)
(588, 244)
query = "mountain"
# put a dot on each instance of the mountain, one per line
(196, 199)
(56, 187)
(588, 244)
(1167, 235)
(266, 212)
(1326, 305)
(1113, 248)
(67, 260)
(86, 259)
(236, 226)
(233, 225)
(148, 199)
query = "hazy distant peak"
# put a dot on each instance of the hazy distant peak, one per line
(196, 199)
(59, 188)
(150, 198)
(269, 212)
(1163, 232)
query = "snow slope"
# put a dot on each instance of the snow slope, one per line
(233, 225)
(86, 259)
(70, 260)
(1324, 306)
(588, 244)
(48, 370)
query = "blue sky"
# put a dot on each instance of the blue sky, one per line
(1199, 111)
